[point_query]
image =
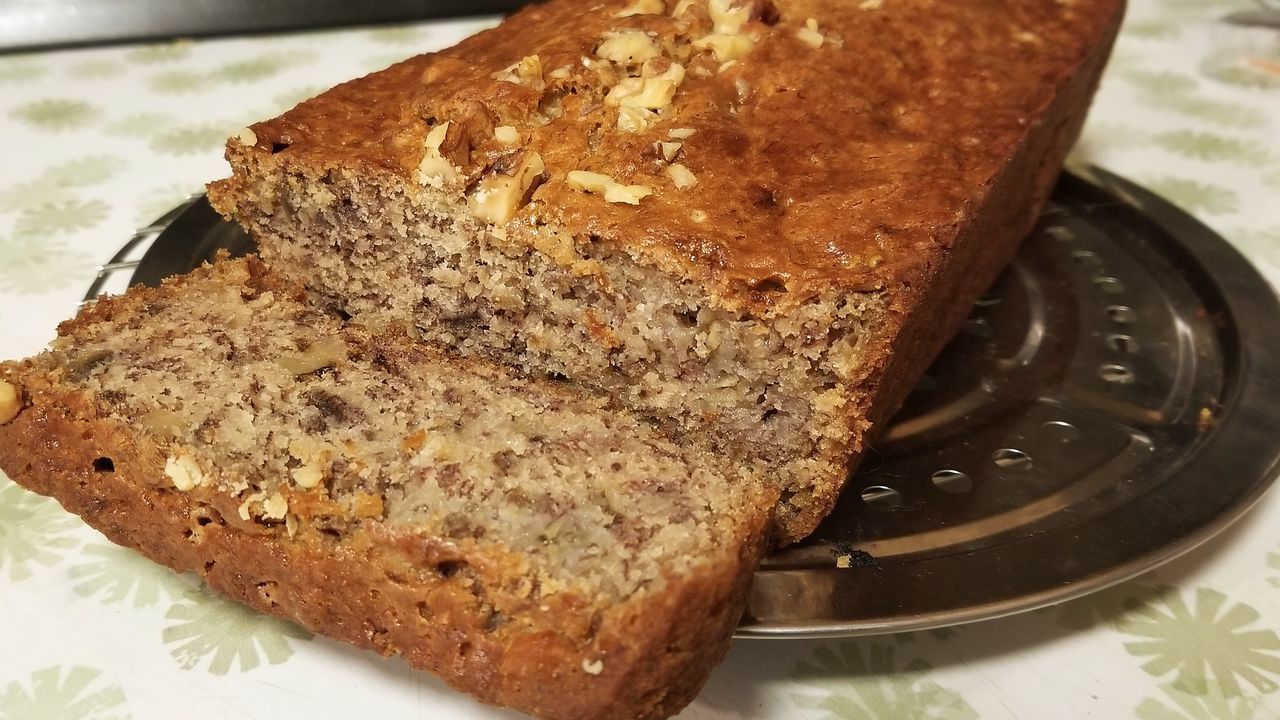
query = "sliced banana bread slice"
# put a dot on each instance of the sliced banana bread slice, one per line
(753, 220)
(515, 537)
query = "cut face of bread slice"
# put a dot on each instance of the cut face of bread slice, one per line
(752, 221)
(514, 536)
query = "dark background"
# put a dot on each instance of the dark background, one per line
(30, 24)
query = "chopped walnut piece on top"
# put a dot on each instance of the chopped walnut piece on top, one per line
(650, 91)
(528, 72)
(499, 196)
(635, 119)
(435, 170)
(725, 47)
(809, 34)
(628, 47)
(642, 7)
(600, 184)
(729, 15)
(681, 176)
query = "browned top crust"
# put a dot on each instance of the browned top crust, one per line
(843, 146)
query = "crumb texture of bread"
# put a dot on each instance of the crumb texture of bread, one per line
(515, 536)
(753, 221)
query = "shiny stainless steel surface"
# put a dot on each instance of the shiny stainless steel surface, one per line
(1110, 403)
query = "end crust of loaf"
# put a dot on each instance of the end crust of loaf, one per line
(447, 606)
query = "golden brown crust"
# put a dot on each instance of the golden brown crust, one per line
(394, 592)
(855, 164)
(907, 159)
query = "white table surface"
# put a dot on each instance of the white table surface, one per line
(94, 143)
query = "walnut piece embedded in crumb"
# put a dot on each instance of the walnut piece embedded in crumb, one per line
(308, 476)
(681, 133)
(10, 401)
(315, 456)
(593, 667)
(506, 134)
(184, 472)
(244, 510)
(247, 137)
(164, 424)
(275, 507)
(325, 352)
(612, 190)
(669, 150)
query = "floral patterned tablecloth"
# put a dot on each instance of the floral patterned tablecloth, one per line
(94, 143)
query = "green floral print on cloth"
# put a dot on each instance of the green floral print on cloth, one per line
(34, 264)
(114, 575)
(1207, 642)
(1178, 704)
(57, 693)
(208, 627)
(34, 531)
(864, 680)
(56, 114)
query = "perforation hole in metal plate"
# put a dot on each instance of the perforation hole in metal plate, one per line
(1122, 314)
(1109, 285)
(1012, 459)
(881, 497)
(1060, 233)
(1122, 343)
(1060, 431)
(1116, 373)
(1086, 258)
(952, 481)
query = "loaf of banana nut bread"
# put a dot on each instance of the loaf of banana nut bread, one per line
(511, 535)
(753, 221)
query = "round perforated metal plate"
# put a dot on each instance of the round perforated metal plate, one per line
(1110, 403)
